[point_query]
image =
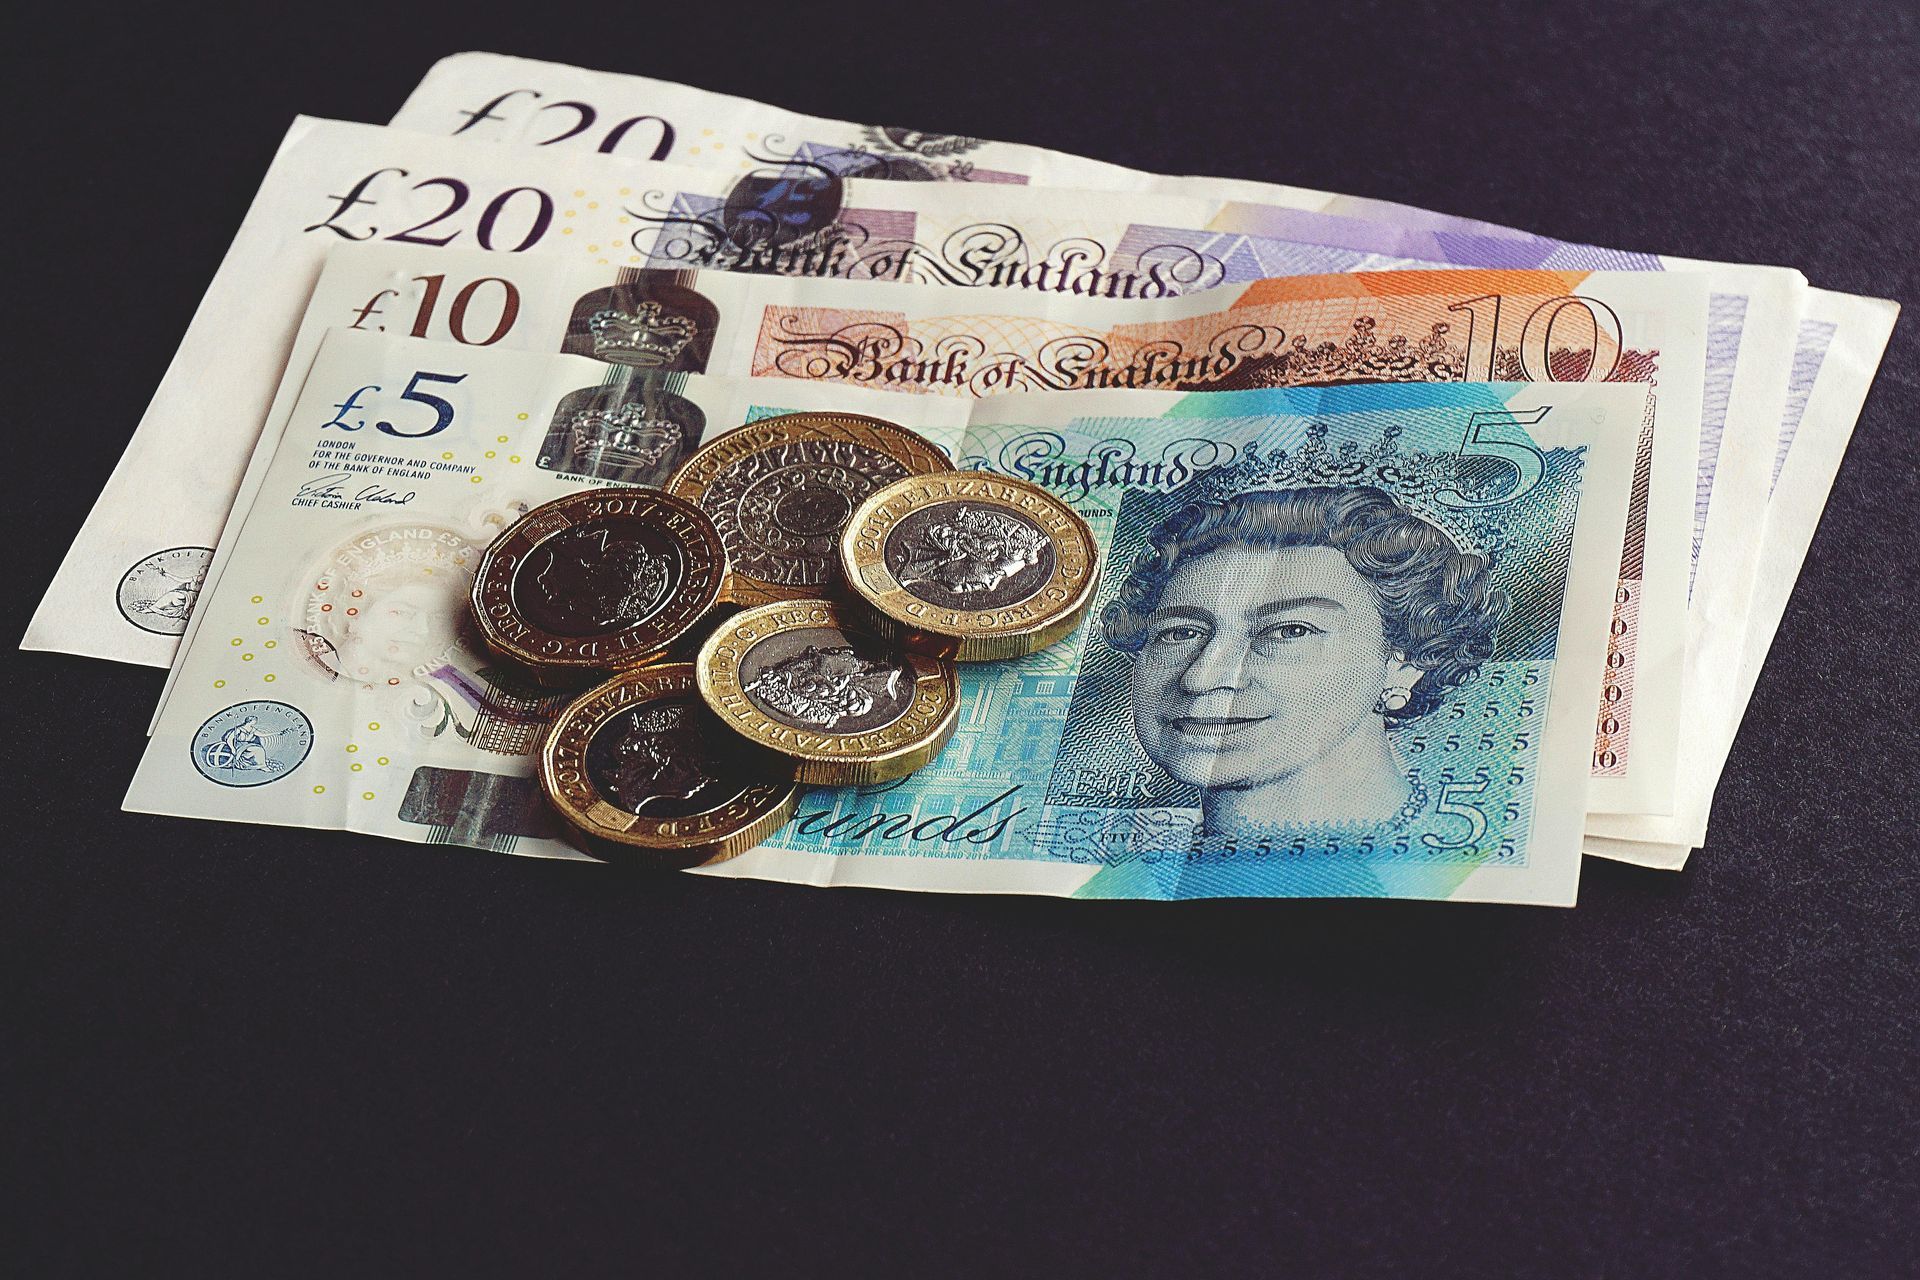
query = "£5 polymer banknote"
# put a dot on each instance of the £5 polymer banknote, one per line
(1222, 727)
(1299, 331)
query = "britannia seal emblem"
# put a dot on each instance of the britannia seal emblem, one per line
(158, 592)
(252, 743)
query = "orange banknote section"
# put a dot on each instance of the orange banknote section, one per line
(1388, 327)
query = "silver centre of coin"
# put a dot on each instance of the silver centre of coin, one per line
(963, 555)
(817, 678)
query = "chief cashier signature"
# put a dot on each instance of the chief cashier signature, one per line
(334, 487)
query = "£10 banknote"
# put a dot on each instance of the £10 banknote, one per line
(1300, 331)
(333, 682)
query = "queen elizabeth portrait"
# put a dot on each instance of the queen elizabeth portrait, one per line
(1277, 636)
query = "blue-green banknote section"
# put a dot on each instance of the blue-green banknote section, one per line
(1330, 654)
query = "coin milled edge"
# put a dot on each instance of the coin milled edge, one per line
(1046, 617)
(824, 758)
(696, 840)
(508, 634)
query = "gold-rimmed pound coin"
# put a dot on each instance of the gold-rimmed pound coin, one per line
(970, 566)
(639, 767)
(781, 491)
(843, 706)
(599, 580)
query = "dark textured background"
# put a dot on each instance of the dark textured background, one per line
(235, 1048)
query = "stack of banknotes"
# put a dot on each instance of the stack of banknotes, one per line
(1434, 553)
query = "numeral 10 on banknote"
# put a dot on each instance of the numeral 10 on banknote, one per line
(1603, 342)
(457, 311)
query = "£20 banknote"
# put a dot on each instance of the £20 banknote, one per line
(335, 184)
(490, 97)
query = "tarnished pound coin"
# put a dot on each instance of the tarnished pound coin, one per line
(845, 707)
(603, 579)
(970, 566)
(639, 767)
(781, 490)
